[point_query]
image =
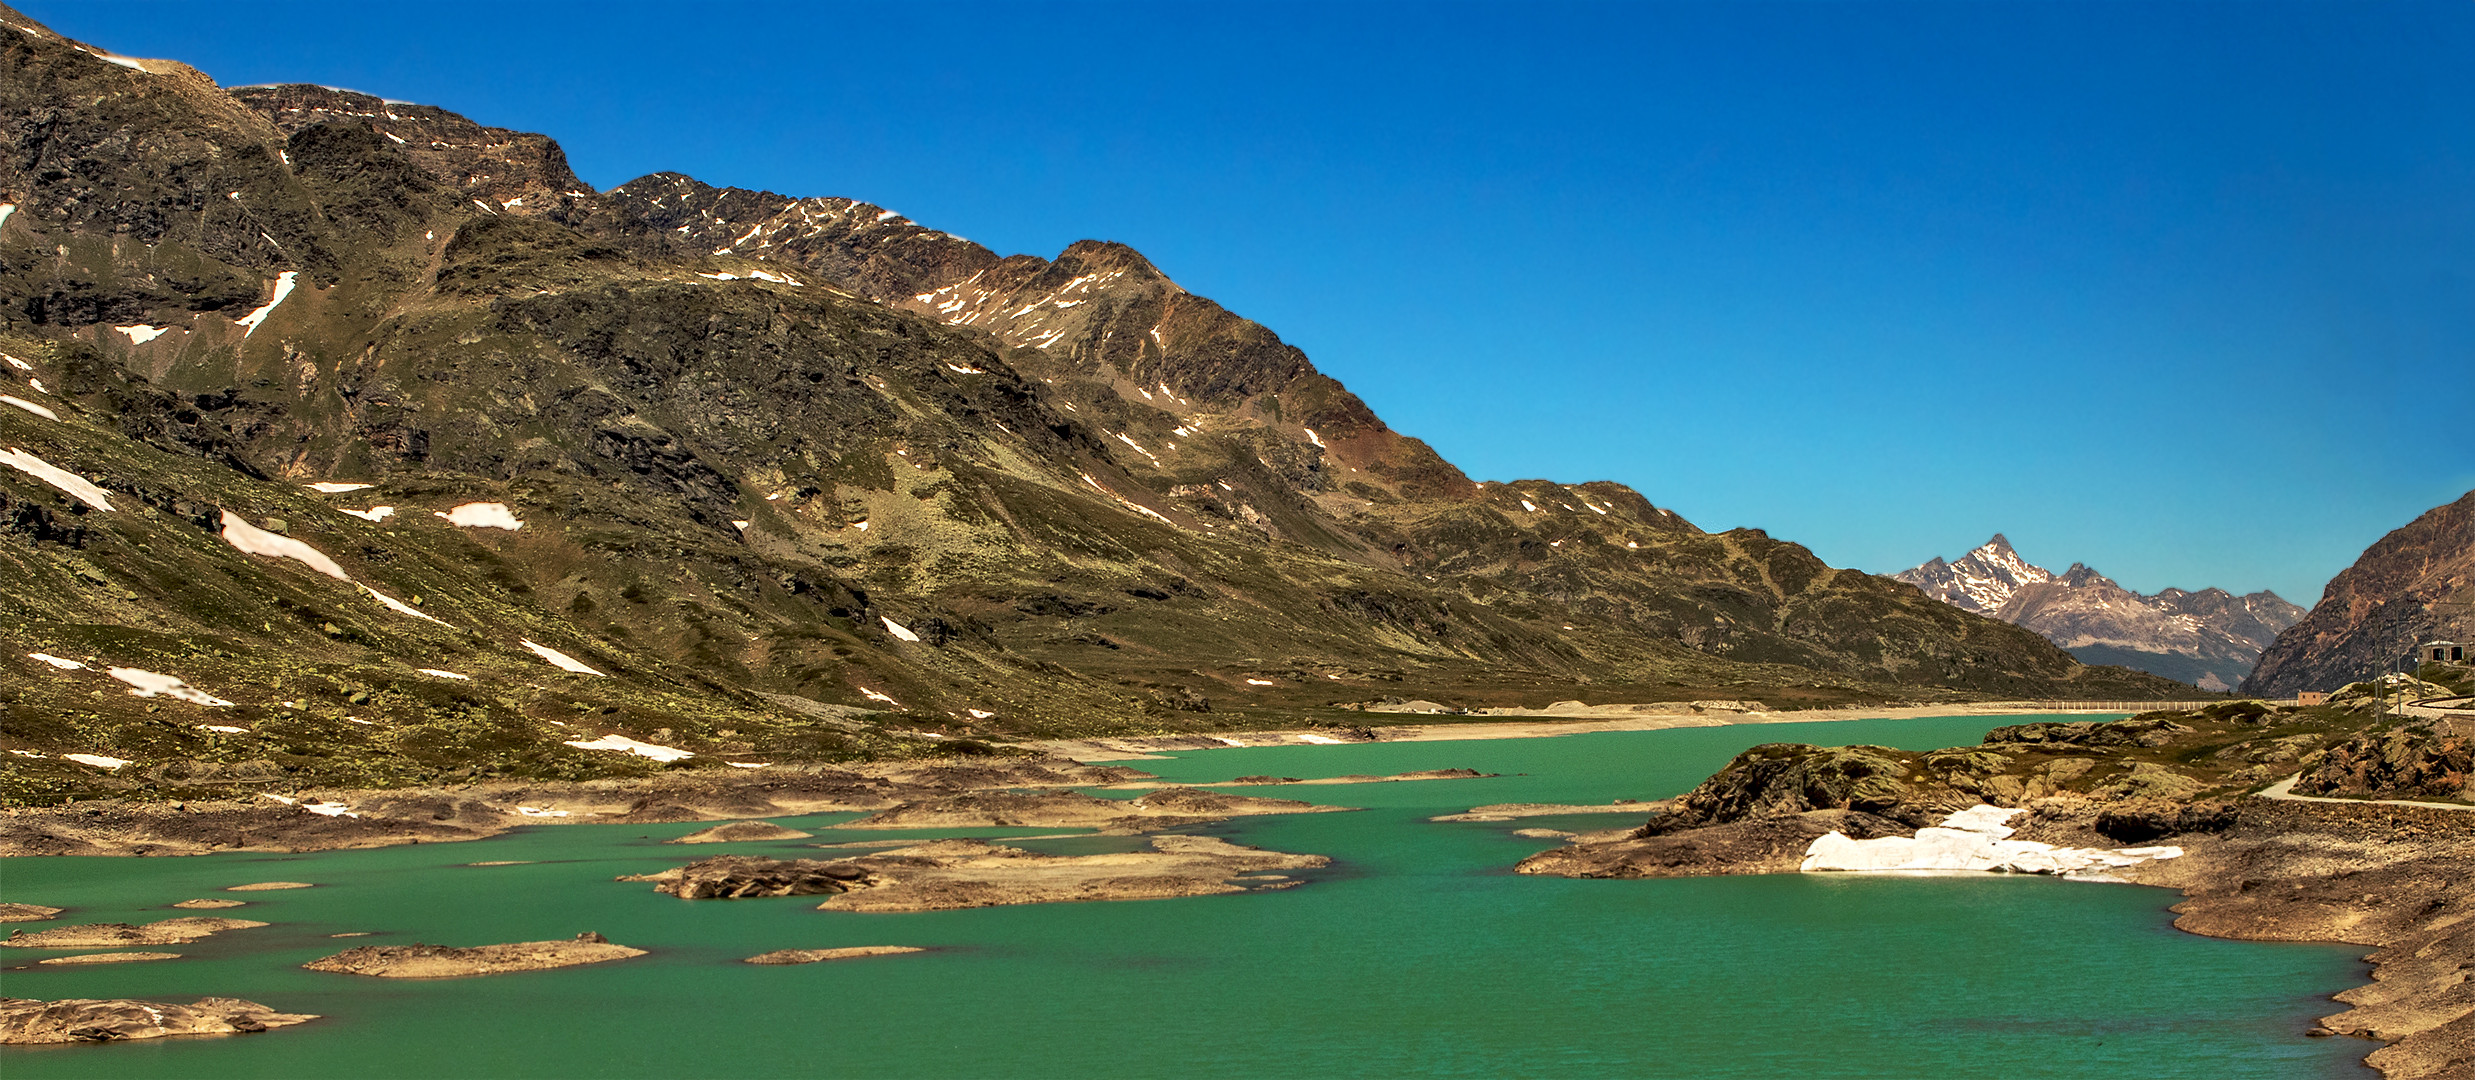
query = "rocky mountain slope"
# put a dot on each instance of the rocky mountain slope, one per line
(2208, 638)
(355, 442)
(2413, 585)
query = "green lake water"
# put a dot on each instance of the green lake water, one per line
(1416, 954)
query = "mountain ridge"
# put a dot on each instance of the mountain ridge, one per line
(2416, 582)
(1065, 505)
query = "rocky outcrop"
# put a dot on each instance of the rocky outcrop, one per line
(2412, 760)
(736, 877)
(2415, 584)
(418, 961)
(25, 1020)
(26, 912)
(108, 935)
(946, 874)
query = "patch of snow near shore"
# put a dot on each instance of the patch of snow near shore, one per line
(627, 745)
(151, 684)
(559, 659)
(373, 514)
(140, 334)
(223, 729)
(283, 288)
(97, 760)
(482, 515)
(1261, 682)
(337, 487)
(535, 811)
(402, 608)
(61, 662)
(749, 764)
(77, 487)
(1321, 740)
(256, 541)
(39, 410)
(897, 629)
(1972, 839)
(445, 674)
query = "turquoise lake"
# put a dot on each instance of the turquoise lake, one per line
(1417, 953)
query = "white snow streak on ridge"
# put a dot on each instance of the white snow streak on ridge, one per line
(257, 541)
(97, 760)
(338, 487)
(141, 333)
(77, 487)
(152, 684)
(403, 608)
(874, 696)
(445, 674)
(627, 745)
(487, 515)
(6, 208)
(375, 513)
(61, 662)
(897, 629)
(559, 659)
(283, 288)
(1971, 839)
(31, 407)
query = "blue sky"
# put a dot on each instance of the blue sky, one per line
(2185, 292)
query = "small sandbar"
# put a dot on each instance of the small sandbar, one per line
(25, 1021)
(271, 886)
(115, 935)
(1354, 778)
(1510, 811)
(1163, 808)
(27, 912)
(811, 956)
(741, 831)
(110, 958)
(418, 961)
(209, 905)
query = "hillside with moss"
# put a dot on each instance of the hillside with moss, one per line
(284, 365)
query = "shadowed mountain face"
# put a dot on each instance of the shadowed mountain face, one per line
(2414, 585)
(2208, 638)
(794, 478)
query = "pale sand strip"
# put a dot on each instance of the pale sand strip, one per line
(1536, 724)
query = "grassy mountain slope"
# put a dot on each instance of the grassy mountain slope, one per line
(783, 505)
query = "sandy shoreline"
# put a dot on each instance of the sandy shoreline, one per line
(1522, 724)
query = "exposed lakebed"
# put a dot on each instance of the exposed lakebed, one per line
(1417, 952)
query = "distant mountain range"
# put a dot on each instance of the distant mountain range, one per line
(2413, 585)
(2209, 638)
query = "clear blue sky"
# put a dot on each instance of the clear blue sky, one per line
(2185, 292)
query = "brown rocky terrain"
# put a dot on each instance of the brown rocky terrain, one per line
(2251, 865)
(24, 1021)
(2415, 584)
(471, 812)
(448, 962)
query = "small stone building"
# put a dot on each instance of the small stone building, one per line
(2442, 652)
